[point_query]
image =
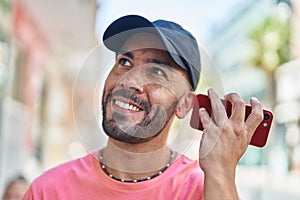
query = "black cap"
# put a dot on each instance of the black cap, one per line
(181, 44)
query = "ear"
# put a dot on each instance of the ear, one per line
(185, 104)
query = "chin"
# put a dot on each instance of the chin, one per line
(133, 135)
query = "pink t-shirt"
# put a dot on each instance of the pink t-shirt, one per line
(84, 179)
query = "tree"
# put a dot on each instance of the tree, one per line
(270, 43)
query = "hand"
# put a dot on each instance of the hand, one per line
(225, 139)
(223, 143)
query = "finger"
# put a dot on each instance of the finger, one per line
(205, 121)
(218, 111)
(255, 117)
(210, 134)
(238, 108)
(205, 118)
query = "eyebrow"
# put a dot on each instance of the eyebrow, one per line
(128, 54)
(159, 62)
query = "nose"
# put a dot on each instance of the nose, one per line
(133, 80)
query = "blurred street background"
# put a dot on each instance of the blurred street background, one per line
(52, 64)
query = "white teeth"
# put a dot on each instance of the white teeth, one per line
(127, 106)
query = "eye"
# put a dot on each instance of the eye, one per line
(158, 71)
(124, 62)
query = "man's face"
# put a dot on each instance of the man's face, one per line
(142, 90)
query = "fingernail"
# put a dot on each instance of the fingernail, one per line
(202, 109)
(254, 98)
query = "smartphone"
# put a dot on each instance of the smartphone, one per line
(259, 139)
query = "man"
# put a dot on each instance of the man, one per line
(152, 81)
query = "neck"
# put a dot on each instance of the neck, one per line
(142, 161)
(135, 161)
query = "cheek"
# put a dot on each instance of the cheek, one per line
(109, 83)
(108, 88)
(112, 79)
(162, 96)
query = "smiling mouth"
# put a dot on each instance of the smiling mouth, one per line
(127, 106)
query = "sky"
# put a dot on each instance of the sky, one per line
(194, 15)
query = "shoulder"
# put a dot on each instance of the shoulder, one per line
(188, 169)
(186, 178)
(185, 162)
(190, 163)
(62, 180)
(70, 170)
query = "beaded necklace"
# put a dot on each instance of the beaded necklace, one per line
(136, 180)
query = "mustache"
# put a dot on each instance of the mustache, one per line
(132, 96)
